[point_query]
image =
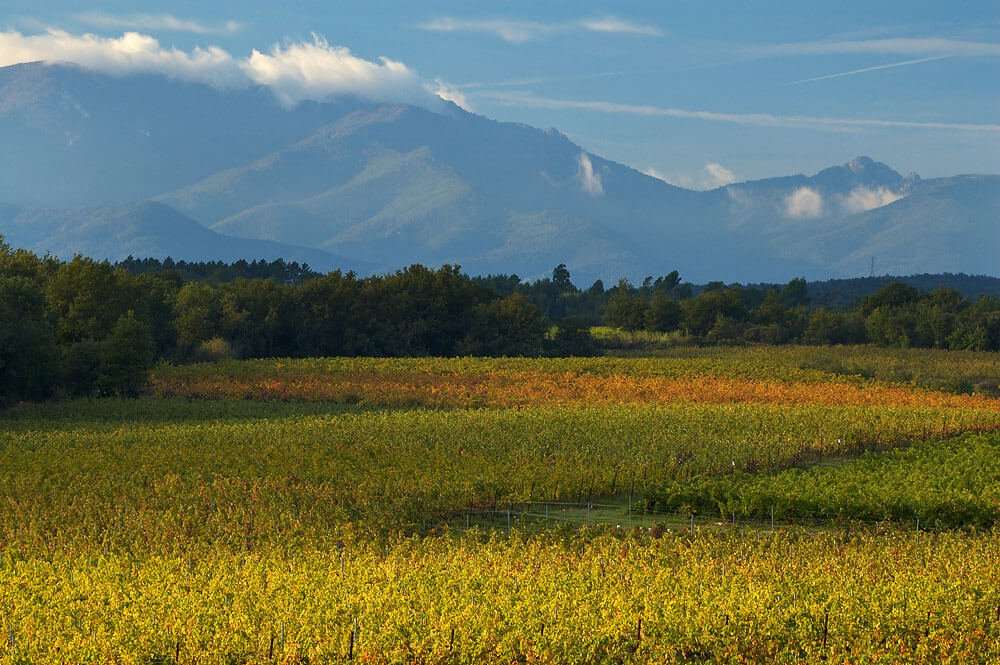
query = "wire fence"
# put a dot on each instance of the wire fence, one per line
(540, 513)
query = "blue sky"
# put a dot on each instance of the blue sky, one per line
(697, 92)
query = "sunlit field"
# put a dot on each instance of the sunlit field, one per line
(374, 510)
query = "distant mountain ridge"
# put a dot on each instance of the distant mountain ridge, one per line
(384, 185)
(146, 229)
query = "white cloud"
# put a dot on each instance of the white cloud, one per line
(894, 46)
(712, 176)
(156, 22)
(516, 31)
(590, 180)
(804, 203)
(294, 72)
(619, 26)
(754, 119)
(864, 198)
(718, 175)
(130, 53)
(317, 70)
(452, 94)
(653, 173)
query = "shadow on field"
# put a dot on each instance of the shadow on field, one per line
(112, 413)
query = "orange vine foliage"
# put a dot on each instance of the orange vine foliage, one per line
(525, 388)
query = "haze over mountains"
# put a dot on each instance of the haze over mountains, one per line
(149, 166)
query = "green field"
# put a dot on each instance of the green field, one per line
(189, 526)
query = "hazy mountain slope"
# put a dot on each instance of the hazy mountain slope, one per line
(944, 225)
(411, 185)
(73, 137)
(396, 184)
(143, 230)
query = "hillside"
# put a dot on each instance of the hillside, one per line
(147, 229)
(389, 185)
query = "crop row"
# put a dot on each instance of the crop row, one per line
(787, 597)
(353, 382)
(958, 370)
(939, 484)
(162, 484)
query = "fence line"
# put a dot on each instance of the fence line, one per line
(516, 514)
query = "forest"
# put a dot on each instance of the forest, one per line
(87, 327)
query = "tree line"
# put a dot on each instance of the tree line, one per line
(86, 327)
(897, 315)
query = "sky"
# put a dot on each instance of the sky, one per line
(699, 93)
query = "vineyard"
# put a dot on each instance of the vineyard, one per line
(796, 375)
(951, 483)
(310, 511)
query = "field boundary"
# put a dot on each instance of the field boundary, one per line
(526, 515)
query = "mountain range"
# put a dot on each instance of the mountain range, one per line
(146, 165)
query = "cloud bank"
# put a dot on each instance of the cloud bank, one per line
(804, 203)
(130, 53)
(156, 22)
(313, 70)
(590, 180)
(516, 31)
(317, 70)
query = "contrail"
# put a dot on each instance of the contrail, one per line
(756, 119)
(871, 69)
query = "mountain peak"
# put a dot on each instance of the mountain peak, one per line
(861, 171)
(861, 163)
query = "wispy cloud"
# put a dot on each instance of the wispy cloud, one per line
(294, 71)
(863, 198)
(712, 176)
(535, 80)
(517, 31)
(718, 175)
(453, 94)
(513, 31)
(926, 46)
(590, 180)
(804, 203)
(156, 23)
(755, 119)
(616, 25)
(875, 68)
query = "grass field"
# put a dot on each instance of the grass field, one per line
(311, 511)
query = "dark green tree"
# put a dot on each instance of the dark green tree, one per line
(625, 308)
(197, 315)
(128, 355)
(28, 353)
(510, 326)
(664, 314)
